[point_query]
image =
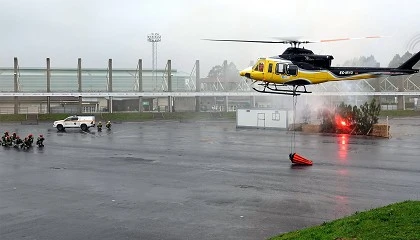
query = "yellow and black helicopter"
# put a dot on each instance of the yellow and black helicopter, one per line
(290, 72)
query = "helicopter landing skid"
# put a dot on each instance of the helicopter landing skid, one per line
(281, 89)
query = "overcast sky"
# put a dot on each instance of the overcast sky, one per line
(98, 30)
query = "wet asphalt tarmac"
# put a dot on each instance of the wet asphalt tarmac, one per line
(197, 180)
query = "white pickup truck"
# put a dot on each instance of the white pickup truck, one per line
(83, 122)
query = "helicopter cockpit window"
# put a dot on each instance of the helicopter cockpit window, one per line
(260, 67)
(270, 67)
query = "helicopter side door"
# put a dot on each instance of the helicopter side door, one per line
(280, 72)
(270, 72)
(286, 69)
(286, 72)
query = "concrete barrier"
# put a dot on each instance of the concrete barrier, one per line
(380, 130)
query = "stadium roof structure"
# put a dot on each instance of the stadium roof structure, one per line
(93, 80)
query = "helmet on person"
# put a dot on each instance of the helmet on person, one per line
(14, 134)
(30, 135)
(6, 133)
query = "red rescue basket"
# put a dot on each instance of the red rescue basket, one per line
(297, 159)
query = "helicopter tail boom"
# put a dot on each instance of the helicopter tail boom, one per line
(409, 64)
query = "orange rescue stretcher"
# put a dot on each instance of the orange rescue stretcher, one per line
(299, 160)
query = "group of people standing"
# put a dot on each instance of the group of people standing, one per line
(15, 141)
(107, 125)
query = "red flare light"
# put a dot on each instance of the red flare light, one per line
(342, 124)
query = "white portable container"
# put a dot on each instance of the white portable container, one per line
(264, 118)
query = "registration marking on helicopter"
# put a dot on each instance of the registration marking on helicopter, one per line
(346, 72)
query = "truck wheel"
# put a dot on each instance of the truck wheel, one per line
(84, 127)
(60, 128)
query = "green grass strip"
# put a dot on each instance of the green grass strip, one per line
(395, 221)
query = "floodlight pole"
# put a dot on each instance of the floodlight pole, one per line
(154, 38)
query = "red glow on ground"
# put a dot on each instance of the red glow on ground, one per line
(343, 139)
(343, 147)
(343, 172)
(339, 197)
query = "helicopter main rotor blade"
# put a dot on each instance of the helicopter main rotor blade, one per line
(300, 39)
(290, 38)
(248, 41)
(294, 41)
(346, 39)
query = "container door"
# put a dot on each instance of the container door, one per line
(261, 120)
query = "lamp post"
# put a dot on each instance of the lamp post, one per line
(154, 38)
